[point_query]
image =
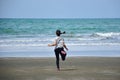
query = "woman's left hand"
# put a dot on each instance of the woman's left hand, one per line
(49, 45)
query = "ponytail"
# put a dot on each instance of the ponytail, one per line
(63, 32)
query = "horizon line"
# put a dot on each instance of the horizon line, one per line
(55, 18)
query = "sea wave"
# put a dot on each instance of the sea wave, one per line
(78, 39)
(97, 34)
(110, 34)
(94, 36)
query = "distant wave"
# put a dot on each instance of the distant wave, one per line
(110, 34)
(94, 36)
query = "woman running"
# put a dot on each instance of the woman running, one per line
(59, 48)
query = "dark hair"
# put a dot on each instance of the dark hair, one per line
(58, 32)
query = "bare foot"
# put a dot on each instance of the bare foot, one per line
(58, 69)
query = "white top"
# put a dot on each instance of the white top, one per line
(60, 42)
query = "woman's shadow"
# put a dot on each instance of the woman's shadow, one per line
(69, 69)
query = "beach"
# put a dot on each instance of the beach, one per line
(74, 68)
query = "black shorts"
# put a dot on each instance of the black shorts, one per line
(61, 52)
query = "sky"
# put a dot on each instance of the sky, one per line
(59, 8)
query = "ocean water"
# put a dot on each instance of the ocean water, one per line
(39, 32)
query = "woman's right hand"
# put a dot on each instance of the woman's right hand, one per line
(66, 49)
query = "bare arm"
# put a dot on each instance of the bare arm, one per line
(65, 46)
(53, 44)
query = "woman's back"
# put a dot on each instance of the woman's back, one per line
(59, 42)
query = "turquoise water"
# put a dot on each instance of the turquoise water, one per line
(40, 32)
(48, 26)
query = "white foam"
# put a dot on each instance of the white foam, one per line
(108, 34)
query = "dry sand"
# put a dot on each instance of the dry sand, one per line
(74, 68)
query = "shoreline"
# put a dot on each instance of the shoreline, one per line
(95, 51)
(53, 57)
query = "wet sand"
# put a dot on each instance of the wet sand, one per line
(74, 68)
